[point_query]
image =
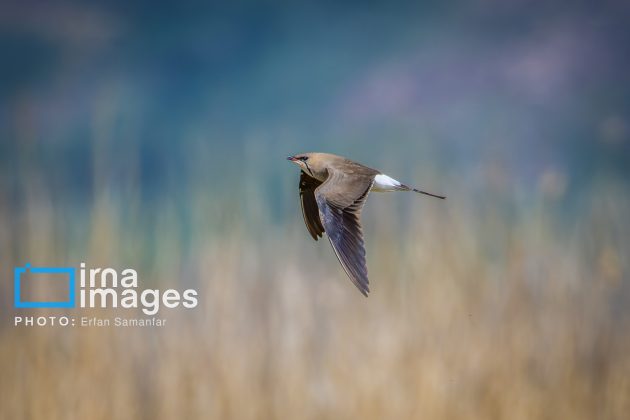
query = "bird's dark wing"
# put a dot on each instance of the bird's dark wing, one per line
(309, 205)
(340, 200)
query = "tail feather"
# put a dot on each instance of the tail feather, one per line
(407, 188)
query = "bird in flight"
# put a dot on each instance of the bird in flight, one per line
(333, 190)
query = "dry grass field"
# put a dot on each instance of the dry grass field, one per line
(493, 305)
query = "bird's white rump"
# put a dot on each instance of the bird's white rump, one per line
(385, 183)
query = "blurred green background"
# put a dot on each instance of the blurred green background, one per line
(153, 136)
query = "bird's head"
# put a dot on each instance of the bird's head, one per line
(313, 164)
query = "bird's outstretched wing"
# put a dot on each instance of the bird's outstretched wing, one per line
(340, 200)
(313, 223)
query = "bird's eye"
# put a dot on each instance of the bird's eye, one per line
(303, 158)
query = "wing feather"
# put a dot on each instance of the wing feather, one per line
(310, 212)
(340, 200)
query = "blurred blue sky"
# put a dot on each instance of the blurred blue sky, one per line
(165, 94)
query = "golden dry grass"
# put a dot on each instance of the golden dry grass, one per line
(480, 309)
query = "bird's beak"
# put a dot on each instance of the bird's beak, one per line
(292, 158)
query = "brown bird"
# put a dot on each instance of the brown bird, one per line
(333, 190)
